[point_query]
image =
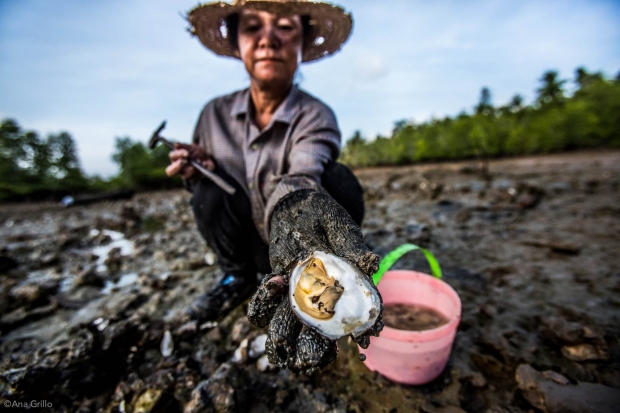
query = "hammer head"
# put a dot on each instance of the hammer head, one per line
(155, 138)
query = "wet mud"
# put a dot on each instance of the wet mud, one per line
(92, 299)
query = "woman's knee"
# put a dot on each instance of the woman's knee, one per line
(340, 182)
(206, 201)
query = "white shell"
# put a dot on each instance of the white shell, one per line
(357, 309)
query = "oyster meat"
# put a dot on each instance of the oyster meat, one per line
(333, 297)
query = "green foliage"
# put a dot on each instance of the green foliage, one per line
(589, 118)
(141, 168)
(35, 167)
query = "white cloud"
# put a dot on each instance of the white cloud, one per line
(370, 66)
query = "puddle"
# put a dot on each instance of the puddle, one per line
(118, 241)
(65, 284)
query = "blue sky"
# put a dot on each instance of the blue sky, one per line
(117, 68)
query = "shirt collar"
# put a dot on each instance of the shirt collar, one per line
(288, 108)
(285, 112)
(241, 103)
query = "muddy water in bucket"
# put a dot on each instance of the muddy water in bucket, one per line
(412, 317)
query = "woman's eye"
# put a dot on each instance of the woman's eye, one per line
(253, 28)
(284, 24)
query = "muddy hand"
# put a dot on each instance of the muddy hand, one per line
(303, 222)
(290, 344)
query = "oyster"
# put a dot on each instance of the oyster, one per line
(333, 297)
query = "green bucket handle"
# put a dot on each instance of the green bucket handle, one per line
(390, 259)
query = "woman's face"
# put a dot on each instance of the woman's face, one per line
(270, 46)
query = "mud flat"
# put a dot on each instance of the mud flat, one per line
(91, 299)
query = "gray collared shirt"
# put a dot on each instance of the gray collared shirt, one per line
(289, 154)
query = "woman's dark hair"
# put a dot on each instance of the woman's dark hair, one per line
(232, 30)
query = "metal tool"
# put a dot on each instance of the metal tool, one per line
(155, 139)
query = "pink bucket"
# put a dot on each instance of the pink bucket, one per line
(414, 357)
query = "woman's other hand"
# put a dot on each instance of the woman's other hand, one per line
(179, 161)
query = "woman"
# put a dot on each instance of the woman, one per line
(277, 146)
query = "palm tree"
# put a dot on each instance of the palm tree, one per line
(583, 78)
(552, 89)
(516, 103)
(485, 107)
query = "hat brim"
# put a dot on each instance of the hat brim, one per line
(331, 25)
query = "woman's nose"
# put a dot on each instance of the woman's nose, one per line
(268, 37)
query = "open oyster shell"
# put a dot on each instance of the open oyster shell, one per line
(333, 297)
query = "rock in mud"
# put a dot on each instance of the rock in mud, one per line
(26, 294)
(147, 401)
(41, 260)
(186, 330)
(529, 196)
(585, 352)
(224, 392)
(88, 277)
(240, 330)
(23, 315)
(151, 395)
(577, 342)
(206, 356)
(307, 399)
(128, 213)
(560, 330)
(558, 187)
(114, 261)
(179, 264)
(31, 294)
(417, 233)
(553, 394)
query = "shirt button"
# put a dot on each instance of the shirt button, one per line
(251, 185)
(254, 146)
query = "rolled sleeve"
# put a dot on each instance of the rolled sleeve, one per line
(316, 142)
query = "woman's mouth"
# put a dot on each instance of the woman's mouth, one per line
(269, 60)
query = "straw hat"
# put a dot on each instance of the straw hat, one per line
(331, 25)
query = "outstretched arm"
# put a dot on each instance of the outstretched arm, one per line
(303, 222)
